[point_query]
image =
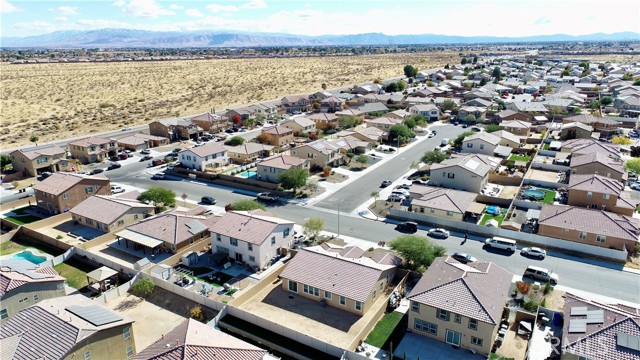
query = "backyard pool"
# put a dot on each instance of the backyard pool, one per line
(247, 174)
(29, 256)
(533, 194)
(493, 210)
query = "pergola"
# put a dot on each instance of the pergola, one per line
(101, 275)
(140, 239)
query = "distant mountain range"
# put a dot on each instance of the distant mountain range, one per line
(126, 38)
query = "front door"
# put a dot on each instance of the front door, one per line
(453, 338)
(238, 257)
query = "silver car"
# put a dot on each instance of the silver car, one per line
(534, 252)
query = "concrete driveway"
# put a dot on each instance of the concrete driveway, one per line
(413, 345)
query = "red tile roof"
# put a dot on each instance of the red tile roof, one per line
(25, 272)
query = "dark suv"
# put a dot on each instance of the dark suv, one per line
(407, 226)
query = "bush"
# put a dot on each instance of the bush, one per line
(197, 314)
(531, 306)
(547, 288)
(59, 237)
(143, 288)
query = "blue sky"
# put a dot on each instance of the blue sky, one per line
(449, 17)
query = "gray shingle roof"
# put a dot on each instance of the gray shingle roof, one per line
(590, 220)
(462, 289)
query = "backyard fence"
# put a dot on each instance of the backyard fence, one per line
(106, 262)
(60, 258)
(189, 294)
(117, 291)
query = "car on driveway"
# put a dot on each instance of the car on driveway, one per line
(146, 157)
(438, 233)
(535, 252)
(208, 200)
(114, 165)
(145, 152)
(404, 187)
(463, 258)
(407, 226)
(396, 197)
(116, 189)
(266, 196)
(386, 183)
(96, 171)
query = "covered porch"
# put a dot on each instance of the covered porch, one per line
(141, 245)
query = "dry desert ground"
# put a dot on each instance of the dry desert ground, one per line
(55, 101)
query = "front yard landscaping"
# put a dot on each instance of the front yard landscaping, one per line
(75, 272)
(523, 158)
(383, 329)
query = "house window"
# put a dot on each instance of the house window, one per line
(451, 175)
(286, 232)
(4, 314)
(605, 196)
(120, 222)
(327, 295)
(358, 306)
(273, 240)
(88, 189)
(432, 210)
(65, 196)
(469, 145)
(89, 222)
(449, 213)
(476, 341)
(252, 258)
(343, 300)
(444, 174)
(583, 235)
(293, 286)
(426, 326)
(374, 294)
(36, 297)
(135, 217)
(87, 355)
(311, 290)
(457, 319)
(126, 332)
(589, 194)
(481, 146)
(415, 306)
(473, 324)
(249, 246)
(218, 237)
(601, 238)
(129, 352)
(442, 315)
(233, 241)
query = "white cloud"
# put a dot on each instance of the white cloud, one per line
(144, 9)
(194, 13)
(37, 27)
(176, 7)
(120, 3)
(62, 18)
(255, 4)
(221, 8)
(6, 7)
(65, 10)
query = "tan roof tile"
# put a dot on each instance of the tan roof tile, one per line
(251, 227)
(60, 182)
(107, 209)
(282, 162)
(206, 150)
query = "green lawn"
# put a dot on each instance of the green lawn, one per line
(224, 278)
(383, 329)
(515, 157)
(549, 196)
(546, 146)
(75, 272)
(24, 219)
(22, 210)
(10, 247)
(495, 356)
(19, 243)
(487, 217)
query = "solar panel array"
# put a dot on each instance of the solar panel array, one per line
(94, 314)
(628, 341)
(578, 310)
(577, 325)
(595, 317)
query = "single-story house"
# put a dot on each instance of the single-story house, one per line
(110, 213)
(248, 152)
(442, 202)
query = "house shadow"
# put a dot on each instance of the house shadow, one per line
(310, 309)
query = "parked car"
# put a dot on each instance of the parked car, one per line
(635, 186)
(400, 192)
(114, 158)
(396, 197)
(431, 134)
(541, 274)
(533, 252)
(386, 183)
(404, 186)
(208, 200)
(455, 123)
(146, 157)
(407, 226)
(116, 189)
(266, 196)
(476, 128)
(157, 162)
(463, 258)
(123, 156)
(126, 128)
(229, 131)
(96, 171)
(114, 165)
(222, 137)
(145, 151)
(438, 233)
(158, 176)
(298, 238)
(45, 174)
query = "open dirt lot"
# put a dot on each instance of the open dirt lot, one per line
(53, 101)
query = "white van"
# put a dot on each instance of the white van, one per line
(444, 142)
(501, 243)
(541, 274)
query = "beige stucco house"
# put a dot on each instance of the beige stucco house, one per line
(599, 192)
(300, 125)
(277, 136)
(441, 202)
(480, 143)
(468, 173)
(271, 168)
(93, 149)
(320, 153)
(599, 164)
(110, 213)
(517, 127)
(41, 159)
(248, 152)
(61, 192)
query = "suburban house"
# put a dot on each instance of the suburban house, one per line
(41, 159)
(271, 168)
(628, 105)
(467, 173)
(325, 120)
(351, 144)
(351, 112)
(517, 127)
(61, 192)
(480, 143)
(442, 202)
(68, 327)
(506, 115)
(383, 123)
(372, 135)
(300, 125)
(599, 164)
(430, 111)
(475, 111)
(197, 341)
(93, 149)
(340, 277)
(452, 303)
(579, 147)
(277, 136)
(243, 113)
(507, 139)
(600, 124)
(320, 153)
(110, 213)
(376, 107)
(167, 232)
(599, 192)
(251, 237)
(295, 103)
(210, 122)
(589, 226)
(399, 114)
(331, 104)
(367, 89)
(599, 331)
(319, 95)
(175, 129)
(575, 130)
(527, 107)
(264, 110)
(248, 152)
(23, 283)
(139, 141)
(202, 158)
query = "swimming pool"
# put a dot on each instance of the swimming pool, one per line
(29, 256)
(247, 174)
(533, 194)
(493, 210)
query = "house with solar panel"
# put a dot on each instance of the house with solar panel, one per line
(69, 327)
(23, 283)
(467, 173)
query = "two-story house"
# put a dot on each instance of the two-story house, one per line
(430, 111)
(41, 159)
(325, 120)
(340, 277)
(599, 192)
(213, 123)
(110, 213)
(452, 303)
(383, 123)
(575, 130)
(23, 283)
(517, 127)
(61, 192)
(599, 164)
(202, 158)
(507, 139)
(277, 136)
(175, 129)
(137, 142)
(251, 237)
(480, 143)
(248, 152)
(93, 149)
(603, 125)
(300, 125)
(506, 115)
(295, 103)
(68, 327)
(467, 173)
(331, 104)
(320, 153)
(580, 147)
(270, 169)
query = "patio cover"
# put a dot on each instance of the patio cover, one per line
(555, 145)
(139, 238)
(503, 151)
(476, 208)
(102, 273)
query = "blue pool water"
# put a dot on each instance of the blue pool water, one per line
(493, 210)
(27, 255)
(247, 174)
(533, 194)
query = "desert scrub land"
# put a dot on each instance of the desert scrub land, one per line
(54, 101)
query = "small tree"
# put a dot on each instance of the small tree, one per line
(4, 161)
(449, 105)
(197, 313)
(606, 101)
(375, 195)
(294, 178)
(621, 140)
(143, 288)
(401, 132)
(236, 119)
(184, 199)
(470, 118)
(410, 71)
(246, 205)
(418, 252)
(434, 156)
(457, 142)
(313, 226)
(496, 74)
(235, 141)
(492, 128)
(324, 86)
(159, 196)
(632, 165)
(348, 121)
(362, 159)
(34, 139)
(410, 123)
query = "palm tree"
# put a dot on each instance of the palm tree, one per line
(34, 139)
(375, 195)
